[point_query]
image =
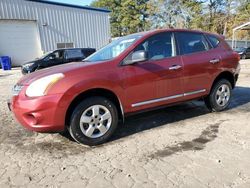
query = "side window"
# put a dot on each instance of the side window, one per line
(159, 46)
(213, 40)
(74, 54)
(191, 42)
(55, 56)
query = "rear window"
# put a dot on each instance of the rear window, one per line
(191, 42)
(213, 40)
(73, 54)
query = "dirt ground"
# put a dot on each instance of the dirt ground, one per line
(181, 146)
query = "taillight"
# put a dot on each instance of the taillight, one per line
(236, 55)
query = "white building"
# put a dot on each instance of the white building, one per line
(29, 28)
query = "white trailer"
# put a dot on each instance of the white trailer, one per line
(28, 28)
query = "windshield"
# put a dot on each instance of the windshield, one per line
(44, 55)
(113, 49)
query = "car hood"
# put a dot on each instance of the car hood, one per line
(30, 62)
(65, 69)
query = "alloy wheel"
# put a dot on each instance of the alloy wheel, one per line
(95, 121)
(223, 95)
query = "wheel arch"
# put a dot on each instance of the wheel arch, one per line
(225, 75)
(100, 92)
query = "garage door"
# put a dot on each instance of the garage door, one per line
(19, 40)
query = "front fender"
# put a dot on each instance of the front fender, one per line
(83, 86)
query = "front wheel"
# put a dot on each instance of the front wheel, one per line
(93, 121)
(220, 96)
(243, 56)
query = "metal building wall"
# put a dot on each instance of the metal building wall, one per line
(59, 24)
(239, 43)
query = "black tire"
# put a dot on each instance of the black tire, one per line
(211, 99)
(74, 127)
(243, 56)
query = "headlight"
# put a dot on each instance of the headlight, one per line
(28, 65)
(16, 90)
(240, 53)
(41, 86)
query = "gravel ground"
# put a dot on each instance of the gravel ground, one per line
(181, 146)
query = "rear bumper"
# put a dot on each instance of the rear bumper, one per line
(9, 104)
(40, 114)
(236, 74)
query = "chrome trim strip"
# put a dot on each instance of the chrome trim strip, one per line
(167, 98)
(194, 92)
(156, 100)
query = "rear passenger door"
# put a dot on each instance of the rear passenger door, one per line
(199, 63)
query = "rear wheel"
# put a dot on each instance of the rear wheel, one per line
(220, 96)
(93, 121)
(243, 56)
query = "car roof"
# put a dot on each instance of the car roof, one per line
(74, 49)
(155, 31)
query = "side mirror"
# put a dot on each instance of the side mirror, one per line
(138, 56)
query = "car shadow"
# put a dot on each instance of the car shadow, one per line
(168, 115)
(65, 146)
(153, 119)
(157, 118)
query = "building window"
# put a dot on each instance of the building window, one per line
(65, 45)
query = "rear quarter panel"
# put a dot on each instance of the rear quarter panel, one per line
(229, 61)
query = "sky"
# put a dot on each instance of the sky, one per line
(74, 2)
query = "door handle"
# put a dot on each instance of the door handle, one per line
(174, 67)
(213, 61)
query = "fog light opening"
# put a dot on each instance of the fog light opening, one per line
(32, 119)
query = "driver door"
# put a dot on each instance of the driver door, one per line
(55, 58)
(153, 82)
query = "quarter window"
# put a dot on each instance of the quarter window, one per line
(191, 42)
(213, 40)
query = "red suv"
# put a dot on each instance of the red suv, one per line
(138, 72)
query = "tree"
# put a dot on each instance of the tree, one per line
(242, 16)
(167, 13)
(127, 16)
(134, 16)
(195, 14)
(219, 16)
(176, 14)
(115, 17)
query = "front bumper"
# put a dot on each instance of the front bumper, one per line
(25, 71)
(40, 114)
(9, 104)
